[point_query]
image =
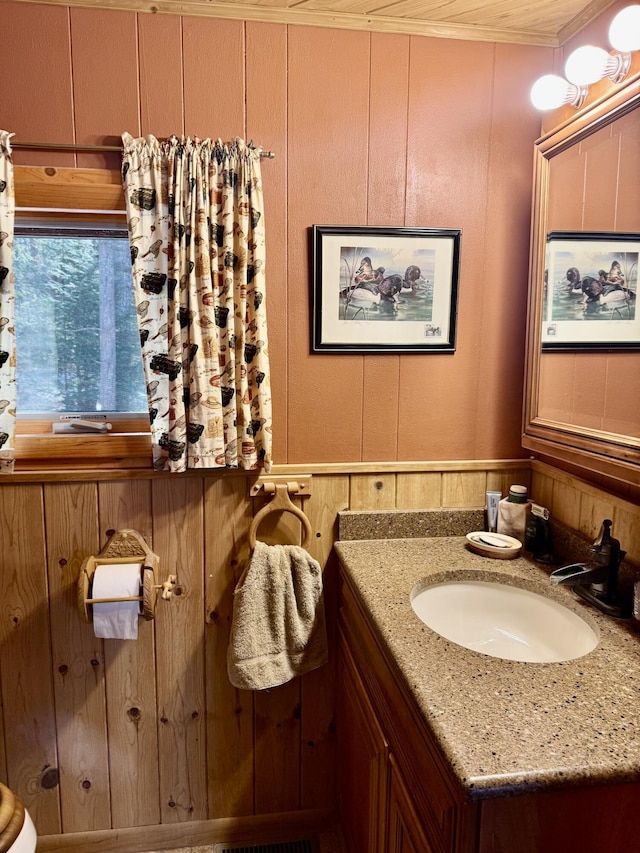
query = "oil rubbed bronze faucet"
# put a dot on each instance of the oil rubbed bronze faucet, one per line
(597, 580)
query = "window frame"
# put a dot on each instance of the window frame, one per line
(78, 195)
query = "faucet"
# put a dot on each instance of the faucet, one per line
(596, 580)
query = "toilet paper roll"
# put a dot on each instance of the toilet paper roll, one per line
(116, 620)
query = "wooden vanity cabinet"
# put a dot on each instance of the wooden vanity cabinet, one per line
(396, 793)
(405, 832)
(362, 765)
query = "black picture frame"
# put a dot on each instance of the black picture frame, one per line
(379, 289)
(589, 293)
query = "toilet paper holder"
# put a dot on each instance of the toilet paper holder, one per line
(123, 547)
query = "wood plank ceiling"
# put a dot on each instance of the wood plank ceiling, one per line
(535, 22)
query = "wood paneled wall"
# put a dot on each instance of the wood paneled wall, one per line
(582, 506)
(108, 734)
(110, 739)
(105, 735)
(368, 129)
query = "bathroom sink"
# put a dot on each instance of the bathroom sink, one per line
(504, 621)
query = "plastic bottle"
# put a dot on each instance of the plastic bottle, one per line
(513, 513)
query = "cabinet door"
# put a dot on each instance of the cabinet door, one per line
(405, 833)
(361, 763)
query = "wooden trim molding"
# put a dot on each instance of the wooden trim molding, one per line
(614, 469)
(247, 830)
(335, 19)
(45, 191)
(47, 187)
(134, 463)
(414, 467)
(84, 449)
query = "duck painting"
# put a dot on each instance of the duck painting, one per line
(390, 287)
(363, 298)
(364, 272)
(615, 299)
(603, 295)
(386, 284)
(574, 280)
(365, 268)
(591, 289)
(413, 279)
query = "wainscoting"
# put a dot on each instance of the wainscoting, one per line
(146, 744)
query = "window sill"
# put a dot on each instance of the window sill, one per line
(85, 451)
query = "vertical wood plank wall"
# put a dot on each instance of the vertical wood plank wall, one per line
(369, 129)
(105, 735)
(582, 506)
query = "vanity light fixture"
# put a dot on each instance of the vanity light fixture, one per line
(551, 91)
(624, 32)
(588, 64)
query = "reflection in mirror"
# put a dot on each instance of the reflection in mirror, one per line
(582, 403)
(590, 288)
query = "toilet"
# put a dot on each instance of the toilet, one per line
(17, 832)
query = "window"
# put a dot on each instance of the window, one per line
(77, 341)
(77, 337)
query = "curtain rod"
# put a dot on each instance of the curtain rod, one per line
(67, 146)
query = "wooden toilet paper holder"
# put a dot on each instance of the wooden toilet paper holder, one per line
(125, 547)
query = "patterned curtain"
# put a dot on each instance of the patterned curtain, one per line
(196, 228)
(7, 334)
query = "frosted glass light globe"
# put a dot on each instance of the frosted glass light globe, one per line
(624, 32)
(550, 92)
(587, 64)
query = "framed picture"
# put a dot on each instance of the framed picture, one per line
(590, 292)
(384, 289)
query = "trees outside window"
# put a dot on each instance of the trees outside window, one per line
(77, 338)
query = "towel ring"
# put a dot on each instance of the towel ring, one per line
(281, 502)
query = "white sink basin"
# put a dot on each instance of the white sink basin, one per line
(504, 621)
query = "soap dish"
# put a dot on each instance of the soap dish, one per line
(497, 545)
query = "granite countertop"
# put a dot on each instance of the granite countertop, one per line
(503, 726)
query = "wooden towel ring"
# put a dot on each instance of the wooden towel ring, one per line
(281, 502)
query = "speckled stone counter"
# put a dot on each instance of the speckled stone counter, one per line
(503, 726)
(408, 524)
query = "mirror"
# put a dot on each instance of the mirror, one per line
(582, 402)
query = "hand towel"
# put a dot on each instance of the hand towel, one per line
(278, 629)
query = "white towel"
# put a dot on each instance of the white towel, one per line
(278, 629)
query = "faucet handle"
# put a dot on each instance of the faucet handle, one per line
(604, 535)
(606, 549)
(568, 574)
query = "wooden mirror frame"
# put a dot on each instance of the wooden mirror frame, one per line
(610, 454)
